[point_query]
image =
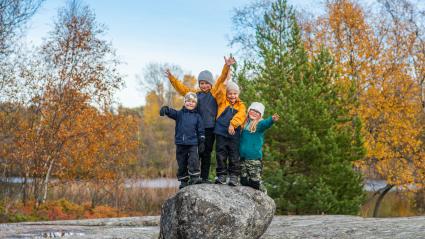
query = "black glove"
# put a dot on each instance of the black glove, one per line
(201, 146)
(163, 110)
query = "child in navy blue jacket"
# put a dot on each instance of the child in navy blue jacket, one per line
(207, 107)
(189, 134)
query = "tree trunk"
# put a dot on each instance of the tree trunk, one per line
(37, 191)
(46, 183)
(420, 201)
(117, 196)
(25, 190)
(385, 190)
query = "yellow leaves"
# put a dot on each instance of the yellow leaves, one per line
(107, 148)
(189, 80)
(377, 61)
(84, 141)
(151, 110)
(343, 13)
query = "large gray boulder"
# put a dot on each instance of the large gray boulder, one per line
(216, 211)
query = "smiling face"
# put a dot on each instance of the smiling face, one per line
(204, 86)
(190, 104)
(254, 115)
(232, 96)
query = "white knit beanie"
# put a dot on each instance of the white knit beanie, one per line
(191, 96)
(232, 86)
(206, 76)
(257, 106)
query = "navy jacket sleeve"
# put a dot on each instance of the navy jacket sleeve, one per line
(200, 127)
(171, 113)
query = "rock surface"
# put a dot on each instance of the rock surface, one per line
(323, 226)
(340, 226)
(216, 211)
(130, 227)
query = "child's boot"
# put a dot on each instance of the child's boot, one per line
(221, 179)
(206, 181)
(233, 181)
(183, 184)
(244, 181)
(195, 180)
(254, 184)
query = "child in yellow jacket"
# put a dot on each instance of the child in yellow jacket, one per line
(231, 115)
(207, 107)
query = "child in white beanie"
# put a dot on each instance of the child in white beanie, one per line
(250, 149)
(230, 117)
(189, 134)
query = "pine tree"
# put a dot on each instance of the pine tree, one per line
(309, 153)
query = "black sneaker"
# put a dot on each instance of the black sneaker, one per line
(222, 179)
(206, 181)
(183, 184)
(254, 184)
(244, 181)
(233, 181)
(195, 180)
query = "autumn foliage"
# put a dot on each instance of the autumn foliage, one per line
(381, 55)
(349, 84)
(378, 53)
(60, 124)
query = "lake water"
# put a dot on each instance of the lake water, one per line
(371, 185)
(152, 183)
(141, 183)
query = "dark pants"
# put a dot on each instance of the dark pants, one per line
(206, 155)
(188, 162)
(227, 152)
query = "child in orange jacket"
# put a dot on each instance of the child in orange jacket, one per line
(231, 115)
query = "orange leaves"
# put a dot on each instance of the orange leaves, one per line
(103, 212)
(375, 57)
(63, 210)
(107, 148)
(150, 112)
(390, 109)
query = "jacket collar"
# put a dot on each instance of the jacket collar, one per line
(236, 102)
(184, 109)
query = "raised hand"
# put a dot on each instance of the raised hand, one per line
(163, 110)
(275, 117)
(168, 73)
(229, 61)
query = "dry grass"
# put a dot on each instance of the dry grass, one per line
(79, 200)
(128, 199)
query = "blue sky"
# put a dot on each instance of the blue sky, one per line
(191, 33)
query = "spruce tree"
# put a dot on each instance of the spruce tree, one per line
(310, 151)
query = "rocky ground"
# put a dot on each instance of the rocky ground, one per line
(323, 226)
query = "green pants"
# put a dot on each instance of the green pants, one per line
(251, 170)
